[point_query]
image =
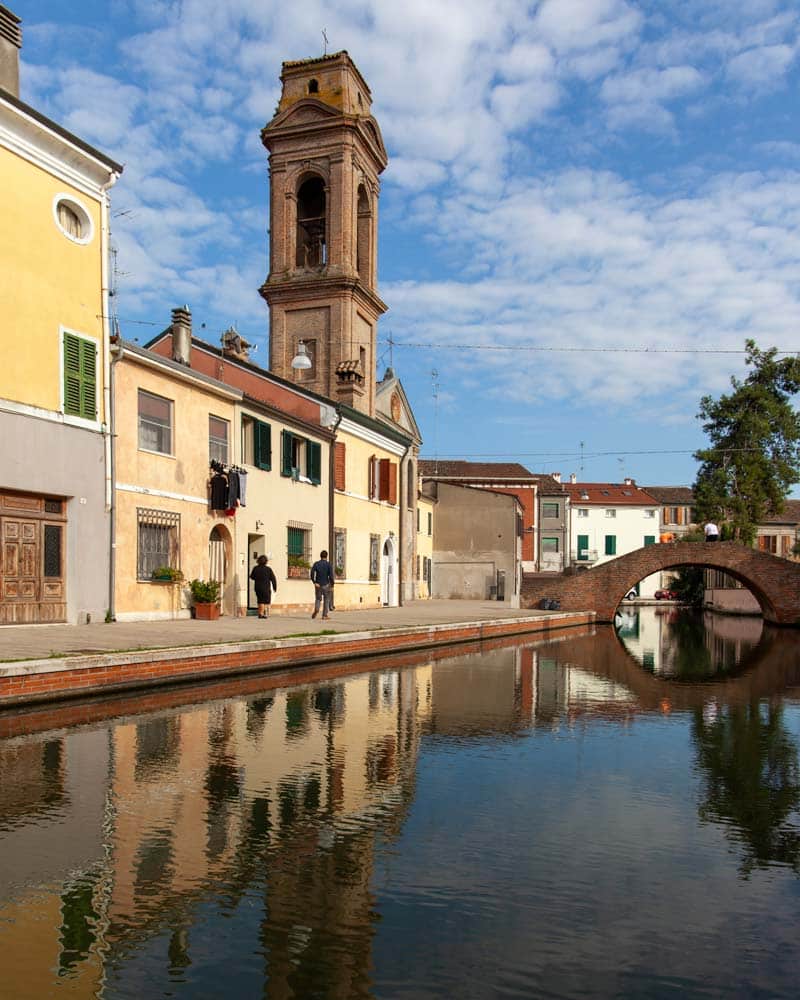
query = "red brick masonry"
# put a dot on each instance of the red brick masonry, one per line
(34, 681)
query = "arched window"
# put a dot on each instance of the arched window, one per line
(311, 213)
(313, 87)
(364, 235)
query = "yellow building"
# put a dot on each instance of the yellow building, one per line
(425, 512)
(168, 420)
(54, 380)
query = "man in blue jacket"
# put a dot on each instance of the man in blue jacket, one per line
(322, 578)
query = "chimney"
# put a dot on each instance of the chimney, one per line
(556, 476)
(234, 345)
(10, 44)
(573, 478)
(630, 482)
(182, 336)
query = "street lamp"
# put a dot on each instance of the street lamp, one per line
(301, 361)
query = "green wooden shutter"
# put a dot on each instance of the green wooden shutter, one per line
(262, 445)
(583, 546)
(314, 462)
(80, 377)
(88, 379)
(611, 545)
(649, 539)
(286, 453)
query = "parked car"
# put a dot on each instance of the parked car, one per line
(631, 595)
(666, 595)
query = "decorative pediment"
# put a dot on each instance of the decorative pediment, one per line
(373, 134)
(393, 407)
(301, 113)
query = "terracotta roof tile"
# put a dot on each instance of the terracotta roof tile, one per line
(789, 515)
(671, 494)
(474, 470)
(610, 495)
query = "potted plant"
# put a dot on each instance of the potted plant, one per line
(299, 567)
(205, 595)
(167, 574)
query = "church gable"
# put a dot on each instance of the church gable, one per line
(392, 405)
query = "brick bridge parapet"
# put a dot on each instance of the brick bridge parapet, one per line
(773, 581)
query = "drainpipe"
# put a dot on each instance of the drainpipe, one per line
(112, 516)
(331, 480)
(401, 508)
(108, 395)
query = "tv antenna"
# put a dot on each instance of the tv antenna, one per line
(324, 42)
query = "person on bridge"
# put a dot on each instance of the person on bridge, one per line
(712, 532)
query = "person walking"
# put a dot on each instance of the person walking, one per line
(322, 578)
(265, 582)
(712, 532)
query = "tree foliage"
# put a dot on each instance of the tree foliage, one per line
(753, 458)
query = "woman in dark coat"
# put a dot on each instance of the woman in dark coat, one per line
(265, 582)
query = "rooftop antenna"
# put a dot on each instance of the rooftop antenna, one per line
(435, 390)
(390, 342)
(325, 42)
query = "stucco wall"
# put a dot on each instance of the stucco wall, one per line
(58, 460)
(46, 281)
(474, 538)
(363, 517)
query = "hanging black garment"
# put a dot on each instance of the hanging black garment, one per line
(233, 490)
(219, 492)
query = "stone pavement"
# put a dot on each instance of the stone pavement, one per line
(29, 642)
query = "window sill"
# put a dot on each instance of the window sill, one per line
(163, 454)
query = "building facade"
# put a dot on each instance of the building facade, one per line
(55, 484)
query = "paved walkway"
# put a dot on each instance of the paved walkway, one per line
(28, 642)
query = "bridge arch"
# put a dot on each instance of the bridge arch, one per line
(773, 581)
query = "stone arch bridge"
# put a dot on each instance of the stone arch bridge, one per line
(774, 582)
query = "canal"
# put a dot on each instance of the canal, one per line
(612, 812)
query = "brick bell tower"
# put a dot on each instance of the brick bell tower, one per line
(325, 156)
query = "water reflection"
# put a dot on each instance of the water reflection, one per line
(464, 825)
(751, 780)
(687, 644)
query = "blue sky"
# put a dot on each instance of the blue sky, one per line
(566, 177)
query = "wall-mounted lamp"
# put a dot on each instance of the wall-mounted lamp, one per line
(301, 361)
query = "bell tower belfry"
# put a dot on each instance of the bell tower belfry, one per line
(325, 156)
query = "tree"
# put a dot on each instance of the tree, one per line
(754, 455)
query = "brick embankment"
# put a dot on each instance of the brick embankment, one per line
(31, 681)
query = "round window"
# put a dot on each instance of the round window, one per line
(72, 219)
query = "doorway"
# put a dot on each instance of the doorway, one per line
(256, 546)
(219, 544)
(389, 574)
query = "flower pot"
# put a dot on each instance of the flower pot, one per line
(206, 612)
(299, 572)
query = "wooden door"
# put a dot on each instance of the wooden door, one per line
(20, 570)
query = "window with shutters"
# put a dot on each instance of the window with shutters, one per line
(611, 545)
(257, 443)
(419, 567)
(158, 541)
(430, 523)
(155, 423)
(339, 466)
(649, 539)
(301, 459)
(298, 549)
(373, 477)
(412, 485)
(218, 439)
(387, 480)
(80, 376)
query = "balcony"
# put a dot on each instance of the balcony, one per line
(586, 556)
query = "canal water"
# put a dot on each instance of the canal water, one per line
(611, 813)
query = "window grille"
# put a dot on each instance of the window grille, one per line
(339, 552)
(52, 550)
(158, 538)
(374, 550)
(298, 549)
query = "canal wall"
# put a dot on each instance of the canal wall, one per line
(32, 681)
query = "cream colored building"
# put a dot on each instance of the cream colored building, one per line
(426, 506)
(55, 486)
(168, 419)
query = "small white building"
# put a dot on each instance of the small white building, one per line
(609, 520)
